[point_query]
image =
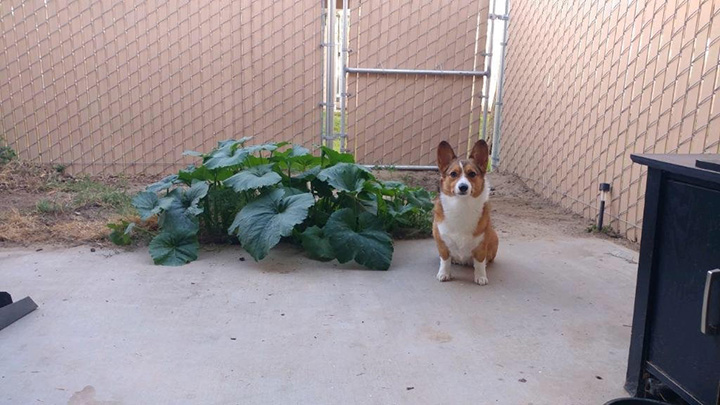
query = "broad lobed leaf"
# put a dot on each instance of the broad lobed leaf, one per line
(360, 238)
(345, 176)
(253, 178)
(317, 244)
(261, 223)
(148, 204)
(174, 248)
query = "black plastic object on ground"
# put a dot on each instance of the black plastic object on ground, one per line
(5, 299)
(12, 312)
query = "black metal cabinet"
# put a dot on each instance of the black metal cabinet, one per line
(675, 333)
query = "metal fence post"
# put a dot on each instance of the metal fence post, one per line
(499, 97)
(488, 69)
(330, 74)
(343, 75)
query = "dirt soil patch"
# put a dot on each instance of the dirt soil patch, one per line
(42, 204)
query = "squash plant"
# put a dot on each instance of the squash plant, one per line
(262, 194)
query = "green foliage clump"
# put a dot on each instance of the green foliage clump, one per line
(46, 206)
(6, 153)
(262, 194)
(121, 233)
(88, 192)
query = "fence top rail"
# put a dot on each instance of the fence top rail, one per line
(416, 72)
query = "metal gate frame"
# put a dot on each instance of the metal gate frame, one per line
(328, 134)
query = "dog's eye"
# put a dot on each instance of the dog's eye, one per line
(453, 174)
(472, 174)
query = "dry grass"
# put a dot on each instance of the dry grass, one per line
(39, 204)
(16, 227)
(23, 229)
(18, 175)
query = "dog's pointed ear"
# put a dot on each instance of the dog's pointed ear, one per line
(480, 154)
(445, 155)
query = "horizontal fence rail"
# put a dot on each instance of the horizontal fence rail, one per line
(380, 71)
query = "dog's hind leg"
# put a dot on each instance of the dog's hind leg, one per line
(491, 244)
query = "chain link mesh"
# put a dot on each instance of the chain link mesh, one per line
(110, 86)
(589, 83)
(400, 119)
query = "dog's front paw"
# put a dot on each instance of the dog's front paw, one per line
(444, 270)
(481, 280)
(480, 273)
(444, 276)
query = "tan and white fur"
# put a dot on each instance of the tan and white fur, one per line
(461, 226)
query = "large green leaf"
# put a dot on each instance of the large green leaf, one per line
(148, 204)
(360, 238)
(190, 173)
(174, 248)
(226, 156)
(253, 178)
(192, 196)
(193, 153)
(345, 176)
(298, 150)
(394, 184)
(258, 148)
(332, 157)
(231, 142)
(420, 198)
(302, 163)
(308, 174)
(391, 188)
(294, 152)
(292, 191)
(261, 223)
(316, 244)
(177, 217)
(164, 184)
(228, 153)
(296, 159)
(396, 210)
(368, 201)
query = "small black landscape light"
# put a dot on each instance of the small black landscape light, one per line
(604, 189)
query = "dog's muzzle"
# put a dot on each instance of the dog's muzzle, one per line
(463, 188)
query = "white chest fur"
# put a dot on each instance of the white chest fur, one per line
(462, 214)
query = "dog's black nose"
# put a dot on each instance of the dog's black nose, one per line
(463, 188)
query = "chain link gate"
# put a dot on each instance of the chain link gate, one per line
(417, 73)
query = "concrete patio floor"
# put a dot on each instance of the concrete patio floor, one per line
(552, 327)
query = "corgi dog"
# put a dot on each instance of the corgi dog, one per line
(461, 223)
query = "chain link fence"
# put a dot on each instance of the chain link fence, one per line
(111, 86)
(126, 86)
(589, 83)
